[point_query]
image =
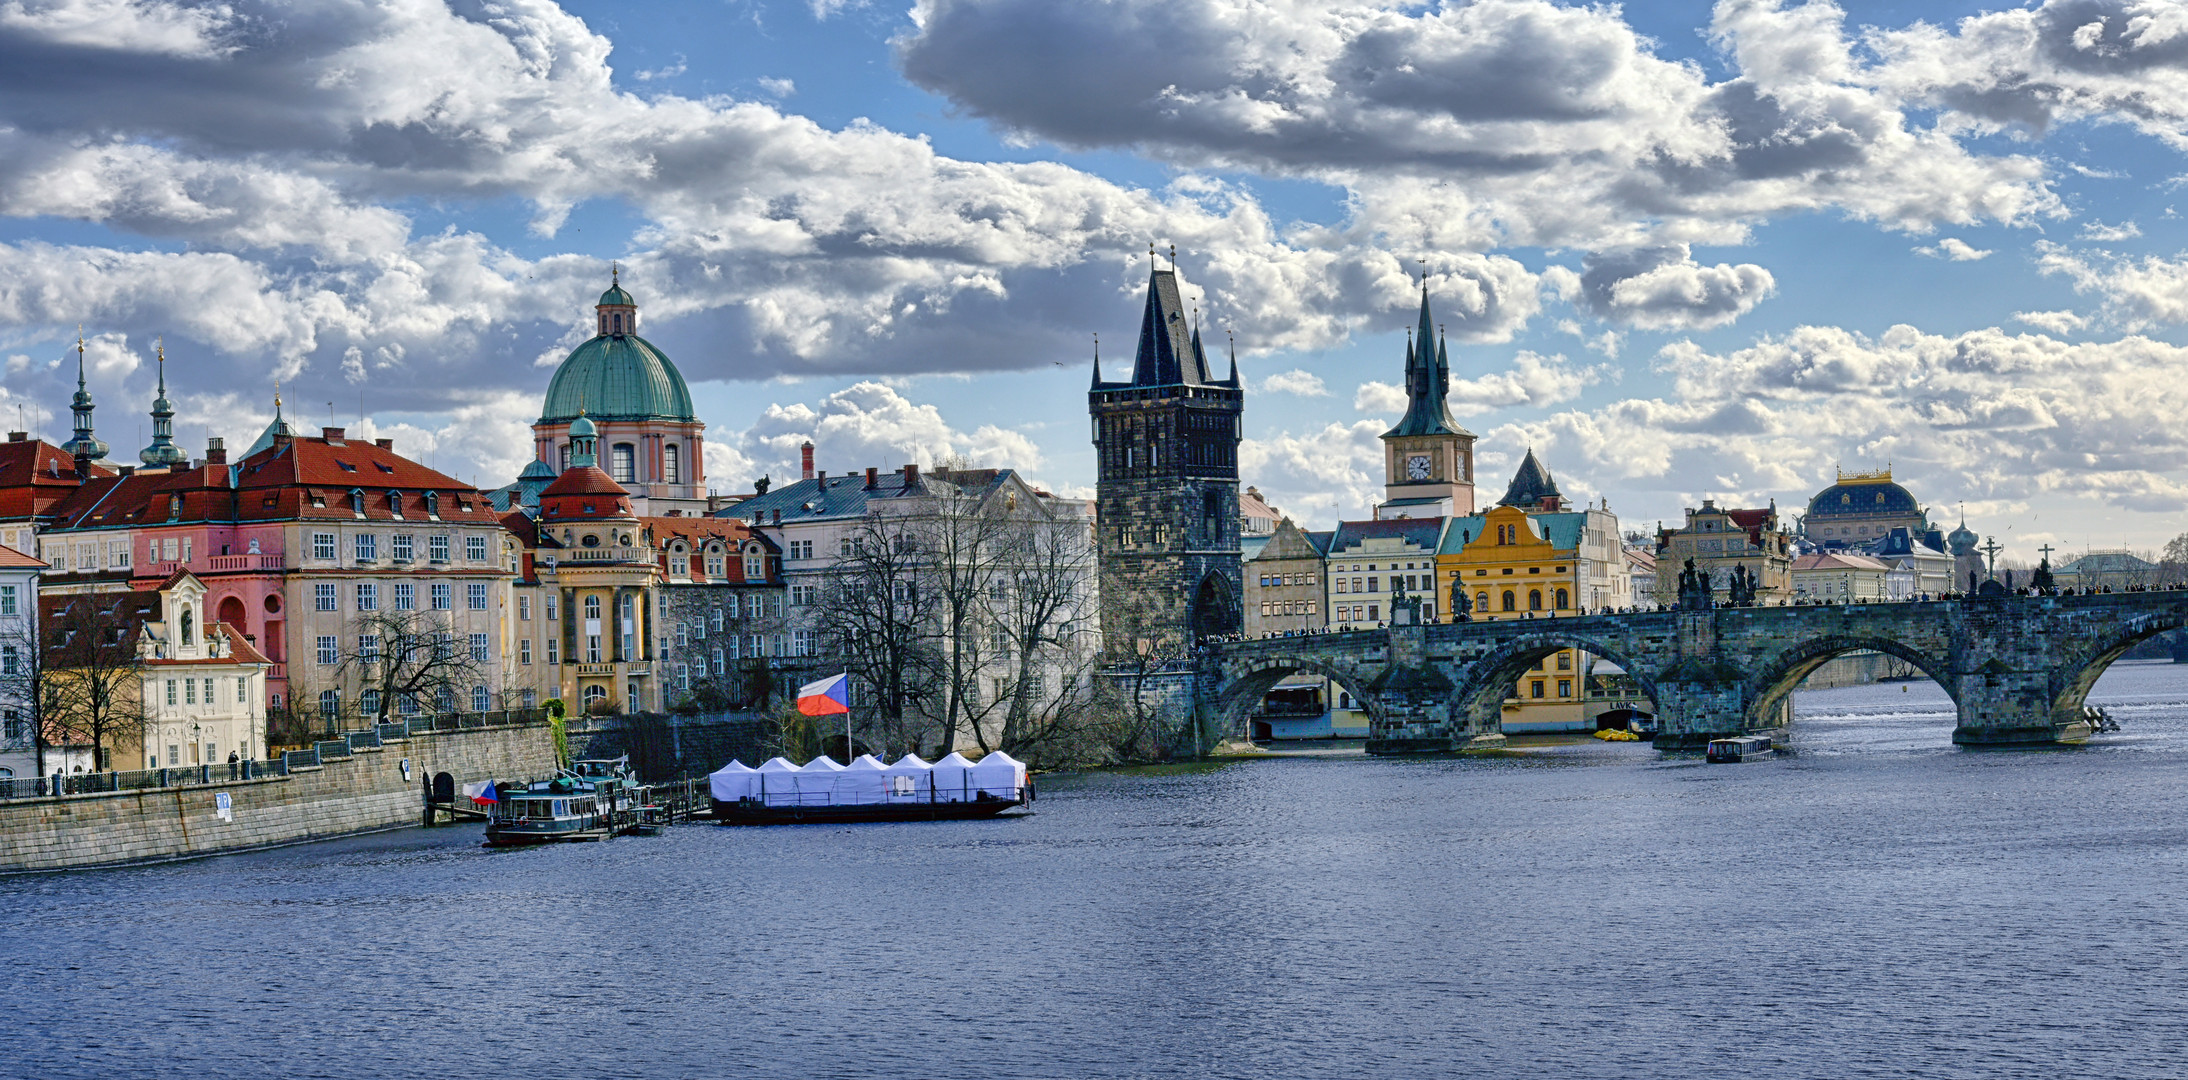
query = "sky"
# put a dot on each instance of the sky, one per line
(1681, 250)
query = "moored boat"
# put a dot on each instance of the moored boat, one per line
(592, 800)
(821, 791)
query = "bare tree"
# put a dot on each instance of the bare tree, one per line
(2173, 561)
(968, 538)
(1045, 612)
(26, 685)
(95, 672)
(877, 615)
(411, 655)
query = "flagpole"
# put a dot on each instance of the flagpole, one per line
(846, 676)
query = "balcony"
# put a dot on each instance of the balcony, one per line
(595, 669)
(244, 562)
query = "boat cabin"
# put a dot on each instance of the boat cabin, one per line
(1734, 750)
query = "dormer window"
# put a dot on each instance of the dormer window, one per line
(432, 504)
(357, 501)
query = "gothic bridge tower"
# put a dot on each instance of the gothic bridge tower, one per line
(1166, 492)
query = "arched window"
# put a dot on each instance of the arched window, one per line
(624, 459)
(1564, 599)
(330, 703)
(671, 469)
(592, 607)
(1534, 599)
(189, 628)
(1511, 603)
(755, 564)
(593, 693)
(1481, 601)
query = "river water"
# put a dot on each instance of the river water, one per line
(1877, 903)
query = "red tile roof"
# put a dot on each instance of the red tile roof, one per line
(9, 557)
(35, 474)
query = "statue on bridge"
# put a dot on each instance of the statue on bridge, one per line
(1462, 605)
(1741, 590)
(1695, 591)
(2042, 580)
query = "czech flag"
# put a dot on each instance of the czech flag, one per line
(482, 792)
(828, 697)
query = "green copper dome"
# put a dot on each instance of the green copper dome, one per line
(618, 377)
(616, 295)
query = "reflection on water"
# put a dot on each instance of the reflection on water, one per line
(1877, 904)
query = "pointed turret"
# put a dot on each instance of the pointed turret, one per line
(1097, 363)
(84, 446)
(1533, 488)
(1233, 380)
(1169, 352)
(1427, 381)
(163, 453)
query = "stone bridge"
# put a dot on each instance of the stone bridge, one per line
(2017, 667)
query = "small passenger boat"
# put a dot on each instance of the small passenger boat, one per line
(1739, 749)
(592, 800)
(823, 792)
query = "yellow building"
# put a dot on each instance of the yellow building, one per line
(1514, 565)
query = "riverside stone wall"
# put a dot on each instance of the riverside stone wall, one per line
(364, 792)
(668, 747)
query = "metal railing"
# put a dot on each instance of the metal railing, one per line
(47, 787)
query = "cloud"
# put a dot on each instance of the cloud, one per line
(867, 424)
(2057, 322)
(2136, 295)
(2110, 234)
(147, 27)
(668, 72)
(1955, 249)
(1323, 475)
(1514, 121)
(1663, 288)
(1533, 380)
(1379, 397)
(777, 88)
(1296, 381)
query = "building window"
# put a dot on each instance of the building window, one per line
(402, 547)
(474, 548)
(442, 600)
(368, 596)
(1564, 599)
(630, 645)
(671, 469)
(368, 703)
(804, 595)
(524, 607)
(718, 665)
(756, 566)
(329, 652)
(436, 547)
(11, 659)
(368, 648)
(1564, 688)
(1534, 599)
(330, 703)
(554, 649)
(480, 699)
(801, 643)
(524, 650)
(592, 607)
(368, 546)
(478, 648)
(623, 459)
(476, 594)
(322, 545)
(444, 700)
(1511, 602)
(406, 596)
(8, 601)
(171, 698)
(323, 596)
(1536, 687)
(553, 608)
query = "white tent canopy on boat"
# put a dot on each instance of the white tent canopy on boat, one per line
(862, 781)
(907, 779)
(733, 781)
(952, 777)
(1000, 775)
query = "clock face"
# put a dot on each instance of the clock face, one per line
(1416, 467)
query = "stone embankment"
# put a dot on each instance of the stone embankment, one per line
(365, 791)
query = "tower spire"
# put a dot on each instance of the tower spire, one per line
(1097, 361)
(83, 445)
(162, 453)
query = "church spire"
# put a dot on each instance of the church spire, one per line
(84, 445)
(1427, 380)
(163, 453)
(1097, 362)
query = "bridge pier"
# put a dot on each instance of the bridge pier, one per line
(2003, 707)
(1700, 702)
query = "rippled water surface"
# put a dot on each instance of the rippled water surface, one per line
(1877, 903)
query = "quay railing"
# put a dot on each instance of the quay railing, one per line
(93, 783)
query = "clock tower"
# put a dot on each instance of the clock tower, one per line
(1428, 459)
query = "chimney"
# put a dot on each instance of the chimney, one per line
(822, 476)
(778, 517)
(18, 436)
(870, 471)
(128, 471)
(281, 439)
(334, 435)
(384, 444)
(216, 451)
(83, 466)
(911, 476)
(805, 461)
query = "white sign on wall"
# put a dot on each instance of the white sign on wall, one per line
(223, 807)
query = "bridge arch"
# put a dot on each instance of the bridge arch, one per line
(1248, 680)
(1478, 703)
(2079, 672)
(1769, 686)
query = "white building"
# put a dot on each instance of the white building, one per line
(19, 575)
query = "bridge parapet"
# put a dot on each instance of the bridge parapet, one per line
(2018, 668)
